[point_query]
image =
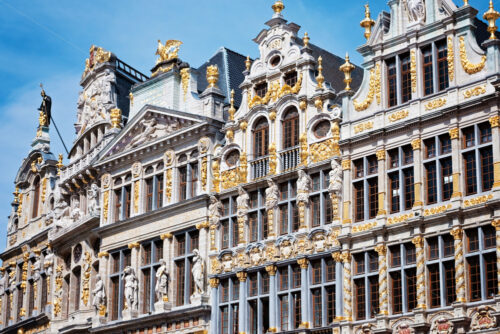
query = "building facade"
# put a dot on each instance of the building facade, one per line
(291, 193)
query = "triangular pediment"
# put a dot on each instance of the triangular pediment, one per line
(149, 126)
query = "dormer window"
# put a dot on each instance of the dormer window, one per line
(291, 78)
(261, 89)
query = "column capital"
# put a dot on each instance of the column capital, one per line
(346, 164)
(453, 133)
(214, 282)
(381, 249)
(134, 245)
(303, 263)
(102, 254)
(381, 154)
(416, 144)
(242, 276)
(418, 241)
(457, 233)
(199, 226)
(337, 256)
(271, 269)
(167, 235)
(496, 224)
(494, 121)
(346, 257)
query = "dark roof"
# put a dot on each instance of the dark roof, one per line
(231, 66)
(331, 72)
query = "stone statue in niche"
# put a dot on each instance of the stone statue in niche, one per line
(36, 268)
(214, 211)
(304, 183)
(335, 175)
(198, 273)
(93, 200)
(4, 282)
(272, 194)
(76, 213)
(242, 203)
(99, 299)
(161, 287)
(415, 10)
(48, 262)
(131, 288)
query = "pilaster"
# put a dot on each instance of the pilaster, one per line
(273, 302)
(347, 177)
(242, 323)
(416, 145)
(381, 182)
(455, 148)
(304, 265)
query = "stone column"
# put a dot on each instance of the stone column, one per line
(456, 162)
(304, 264)
(273, 302)
(416, 144)
(496, 225)
(242, 277)
(457, 234)
(134, 256)
(167, 256)
(381, 183)
(418, 241)
(103, 272)
(213, 231)
(270, 222)
(346, 258)
(382, 279)
(214, 295)
(337, 257)
(495, 135)
(346, 210)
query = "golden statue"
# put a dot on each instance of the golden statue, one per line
(168, 51)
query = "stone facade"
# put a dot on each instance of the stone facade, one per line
(290, 193)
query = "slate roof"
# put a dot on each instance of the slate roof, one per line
(231, 66)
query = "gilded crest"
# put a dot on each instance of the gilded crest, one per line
(168, 51)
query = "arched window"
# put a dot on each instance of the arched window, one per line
(36, 197)
(261, 138)
(291, 128)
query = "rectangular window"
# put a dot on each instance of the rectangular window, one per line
(411, 286)
(194, 179)
(450, 293)
(128, 201)
(470, 173)
(360, 306)
(431, 182)
(159, 191)
(445, 143)
(317, 306)
(442, 65)
(359, 201)
(182, 183)
(486, 156)
(428, 71)
(446, 178)
(253, 227)
(405, 78)
(261, 89)
(118, 204)
(397, 294)
(434, 289)
(391, 83)
(394, 194)
(491, 275)
(284, 311)
(315, 211)
(474, 278)
(409, 188)
(430, 148)
(149, 195)
(372, 197)
(225, 234)
(433, 245)
(395, 256)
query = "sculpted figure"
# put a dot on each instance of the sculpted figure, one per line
(36, 268)
(272, 194)
(214, 210)
(198, 271)
(415, 9)
(303, 187)
(46, 106)
(161, 287)
(108, 80)
(150, 129)
(61, 209)
(242, 203)
(131, 287)
(335, 186)
(4, 282)
(99, 294)
(76, 213)
(93, 200)
(48, 261)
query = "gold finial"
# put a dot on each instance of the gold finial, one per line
(248, 63)
(131, 98)
(491, 16)
(306, 39)
(278, 7)
(347, 68)
(116, 118)
(466, 2)
(212, 75)
(232, 110)
(59, 164)
(320, 79)
(16, 195)
(367, 22)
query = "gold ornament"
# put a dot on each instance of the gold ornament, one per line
(398, 115)
(232, 110)
(468, 67)
(278, 7)
(413, 71)
(491, 16)
(306, 39)
(304, 153)
(347, 68)
(367, 22)
(168, 51)
(212, 75)
(437, 103)
(185, 76)
(373, 89)
(476, 91)
(248, 63)
(116, 118)
(451, 59)
(320, 79)
(453, 133)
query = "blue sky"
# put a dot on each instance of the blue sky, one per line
(48, 40)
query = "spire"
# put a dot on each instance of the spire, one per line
(320, 79)
(367, 22)
(491, 16)
(232, 110)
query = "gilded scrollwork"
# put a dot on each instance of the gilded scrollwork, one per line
(230, 178)
(476, 91)
(274, 93)
(322, 150)
(413, 71)
(372, 90)
(398, 115)
(469, 67)
(358, 128)
(434, 104)
(185, 76)
(451, 59)
(477, 200)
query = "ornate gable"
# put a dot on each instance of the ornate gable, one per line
(150, 126)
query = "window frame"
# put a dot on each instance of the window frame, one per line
(404, 269)
(441, 262)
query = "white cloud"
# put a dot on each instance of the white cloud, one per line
(18, 128)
